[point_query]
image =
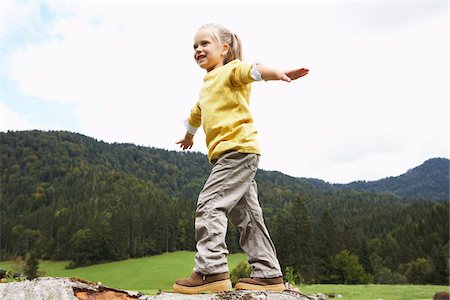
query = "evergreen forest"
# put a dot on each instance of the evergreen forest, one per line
(66, 196)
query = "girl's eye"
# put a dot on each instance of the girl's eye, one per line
(202, 43)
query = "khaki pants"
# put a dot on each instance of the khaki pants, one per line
(231, 191)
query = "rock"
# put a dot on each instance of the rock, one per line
(77, 289)
(444, 295)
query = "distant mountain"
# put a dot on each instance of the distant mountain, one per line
(429, 181)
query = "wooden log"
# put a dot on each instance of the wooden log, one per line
(78, 289)
(235, 295)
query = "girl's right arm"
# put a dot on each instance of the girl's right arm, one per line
(192, 124)
(187, 142)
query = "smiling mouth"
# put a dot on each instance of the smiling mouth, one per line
(201, 57)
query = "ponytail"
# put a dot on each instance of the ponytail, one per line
(235, 51)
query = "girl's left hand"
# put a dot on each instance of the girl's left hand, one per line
(297, 73)
(187, 142)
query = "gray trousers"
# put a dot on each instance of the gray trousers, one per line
(231, 193)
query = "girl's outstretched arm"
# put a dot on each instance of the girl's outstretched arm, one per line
(268, 73)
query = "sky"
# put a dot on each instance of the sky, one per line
(375, 103)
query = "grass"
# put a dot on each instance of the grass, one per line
(150, 274)
(375, 291)
(147, 274)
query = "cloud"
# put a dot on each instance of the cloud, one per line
(384, 17)
(373, 105)
(110, 67)
(369, 102)
(12, 121)
(14, 15)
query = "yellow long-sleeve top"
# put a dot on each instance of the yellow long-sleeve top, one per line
(223, 110)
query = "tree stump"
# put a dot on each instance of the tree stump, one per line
(78, 289)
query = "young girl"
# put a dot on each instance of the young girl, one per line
(230, 193)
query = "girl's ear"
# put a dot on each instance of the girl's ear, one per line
(225, 49)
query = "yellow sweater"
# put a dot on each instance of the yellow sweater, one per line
(223, 110)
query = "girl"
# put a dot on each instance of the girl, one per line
(230, 191)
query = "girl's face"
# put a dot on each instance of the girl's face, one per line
(208, 53)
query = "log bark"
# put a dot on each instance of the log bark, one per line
(78, 289)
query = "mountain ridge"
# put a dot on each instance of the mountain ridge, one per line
(430, 180)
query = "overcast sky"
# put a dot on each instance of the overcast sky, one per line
(376, 101)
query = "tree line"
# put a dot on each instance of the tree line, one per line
(65, 196)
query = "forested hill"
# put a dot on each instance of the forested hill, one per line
(427, 181)
(66, 196)
(178, 171)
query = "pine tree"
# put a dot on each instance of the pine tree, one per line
(347, 269)
(326, 246)
(31, 265)
(304, 255)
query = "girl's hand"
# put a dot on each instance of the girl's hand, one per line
(268, 73)
(295, 74)
(187, 142)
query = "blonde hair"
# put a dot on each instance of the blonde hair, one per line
(224, 36)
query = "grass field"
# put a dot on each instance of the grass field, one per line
(147, 274)
(150, 274)
(375, 291)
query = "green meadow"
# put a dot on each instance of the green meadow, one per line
(150, 274)
(146, 274)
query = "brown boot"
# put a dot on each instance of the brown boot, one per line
(267, 284)
(199, 283)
